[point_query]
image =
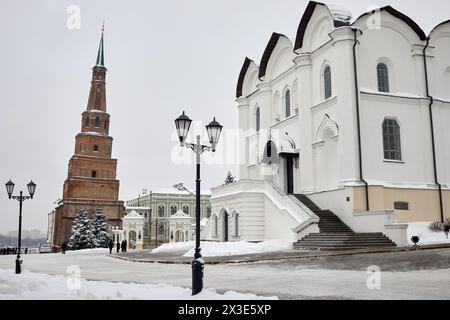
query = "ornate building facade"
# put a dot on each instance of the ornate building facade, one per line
(91, 181)
(164, 204)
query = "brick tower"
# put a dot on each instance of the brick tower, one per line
(91, 181)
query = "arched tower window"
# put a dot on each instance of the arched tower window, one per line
(173, 209)
(258, 119)
(391, 140)
(287, 103)
(327, 82)
(86, 122)
(186, 209)
(383, 77)
(97, 122)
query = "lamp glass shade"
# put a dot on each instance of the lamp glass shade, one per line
(10, 188)
(214, 130)
(183, 124)
(31, 188)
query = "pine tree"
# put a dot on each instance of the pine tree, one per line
(100, 230)
(229, 179)
(81, 237)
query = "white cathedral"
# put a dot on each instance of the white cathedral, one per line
(346, 133)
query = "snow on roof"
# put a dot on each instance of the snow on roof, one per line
(180, 215)
(176, 191)
(340, 13)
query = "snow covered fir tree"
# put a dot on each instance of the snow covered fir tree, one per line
(81, 237)
(100, 230)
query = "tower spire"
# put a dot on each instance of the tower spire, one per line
(100, 55)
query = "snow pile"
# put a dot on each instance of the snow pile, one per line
(95, 251)
(220, 249)
(35, 286)
(426, 235)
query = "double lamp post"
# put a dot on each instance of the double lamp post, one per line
(214, 129)
(21, 198)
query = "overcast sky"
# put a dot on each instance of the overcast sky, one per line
(162, 57)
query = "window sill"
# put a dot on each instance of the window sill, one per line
(394, 161)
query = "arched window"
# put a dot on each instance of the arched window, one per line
(186, 209)
(86, 122)
(327, 82)
(236, 225)
(391, 140)
(287, 103)
(258, 119)
(216, 226)
(97, 122)
(161, 211)
(383, 77)
(173, 209)
(208, 211)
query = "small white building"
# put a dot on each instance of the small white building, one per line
(132, 231)
(180, 227)
(341, 114)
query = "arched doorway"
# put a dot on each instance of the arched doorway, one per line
(225, 226)
(132, 236)
(179, 236)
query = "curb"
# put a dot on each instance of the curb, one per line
(292, 257)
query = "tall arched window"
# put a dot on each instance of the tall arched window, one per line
(258, 119)
(161, 211)
(208, 211)
(173, 209)
(216, 226)
(287, 103)
(97, 122)
(86, 123)
(236, 225)
(383, 77)
(327, 82)
(391, 140)
(186, 209)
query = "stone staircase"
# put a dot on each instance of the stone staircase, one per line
(336, 235)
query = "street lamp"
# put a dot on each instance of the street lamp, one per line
(183, 124)
(21, 198)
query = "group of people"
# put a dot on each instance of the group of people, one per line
(120, 246)
(9, 250)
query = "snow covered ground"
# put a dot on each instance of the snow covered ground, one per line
(216, 249)
(427, 236)
(37, 286)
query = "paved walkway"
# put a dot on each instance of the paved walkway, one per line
(177, 257)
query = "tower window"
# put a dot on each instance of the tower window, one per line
(97, 122)
(391, 140)
(258, 120)
(383, 77)
(94, 174)
(86, 122)
(287, 103)
(327, 82)
(95, 148)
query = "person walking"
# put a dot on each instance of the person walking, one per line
(110, 246)
(447, 230)
(63, 248)
(125, 244)
(118, 246)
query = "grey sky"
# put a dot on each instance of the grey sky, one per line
(162, 57)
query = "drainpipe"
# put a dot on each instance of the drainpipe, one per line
(430, 108)
(355, 68)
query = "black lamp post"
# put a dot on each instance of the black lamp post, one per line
(214, 129)
(21, 198)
